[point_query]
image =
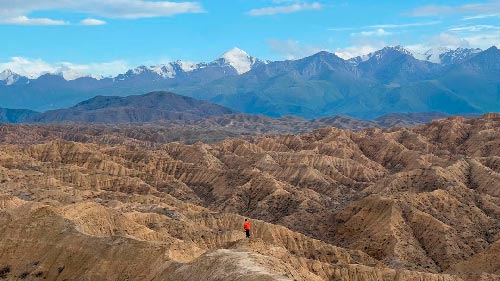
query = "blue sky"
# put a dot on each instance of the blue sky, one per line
(109, 36)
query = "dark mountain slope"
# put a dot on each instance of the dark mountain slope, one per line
(395, 65)
(155, 106)
(477, 80)
(15, 115)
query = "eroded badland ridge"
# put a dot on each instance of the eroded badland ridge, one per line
(419, 203)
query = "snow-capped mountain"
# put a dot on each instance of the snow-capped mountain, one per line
(355, 61)
(188, 66)
(239, 60)
(162, 71)
(443, 55)
(431, 55)
(7, 77)
(388, 51)
(388, 80)
(395, 65)
(71, 74)
(458, 55)
(236, 59)
(438, 55)
(379, 55)
(168, 70)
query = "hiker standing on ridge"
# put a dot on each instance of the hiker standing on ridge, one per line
(246, 227)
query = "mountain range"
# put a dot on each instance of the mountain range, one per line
(181, 112)
(151, 107)
(391, 80)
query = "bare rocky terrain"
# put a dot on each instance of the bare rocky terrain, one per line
(124, 203)
(208, 130)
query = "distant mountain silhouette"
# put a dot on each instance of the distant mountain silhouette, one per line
(16, 115)
(186, 115)
(151, 107)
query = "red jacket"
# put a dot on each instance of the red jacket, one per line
(246, 225)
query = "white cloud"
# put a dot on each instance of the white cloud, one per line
(285, 1)
(448, 40)
(387, 26)
(489, 7)
(23, 20)
(484, 40)
(370, 33)
(33, 68)
(111, 68)
(297, 7)
(357, 50)
(92, 22)
(16, 12)
(453, 41)
(290, 49)
(341, 28)
(419, 48)
(481, 16)
(414, 24)
(28, 67)
(474, 28)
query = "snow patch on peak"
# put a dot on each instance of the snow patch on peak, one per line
(359, 59)
(234, 52)
(458, 55)
(6, 73)
(188, 66)
(139, 70)
(164, 70)
(69, 75)
(168, 70)
(400, 49)
(239, 59)
(444, 55)
(378, 55)
(432, 55)
(9, 77)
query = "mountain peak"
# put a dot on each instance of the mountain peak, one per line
(70, 74)
(457, 55)
(390, 51)
(9, 77)
(234, 52)
(398, 48)
(434, 54)
(5, 73)
(239, 59)
(493, 49)
(151, 107)
(188, 66)
(444, 55)
(325, 55)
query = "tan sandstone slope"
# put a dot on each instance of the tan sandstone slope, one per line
(398, 204)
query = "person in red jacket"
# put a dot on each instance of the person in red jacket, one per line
(246, 227)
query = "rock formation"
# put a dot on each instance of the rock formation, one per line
(415, 203)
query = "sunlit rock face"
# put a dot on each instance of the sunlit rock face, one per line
(416, 203)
